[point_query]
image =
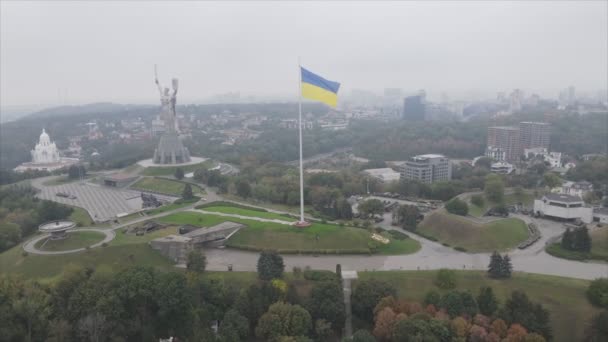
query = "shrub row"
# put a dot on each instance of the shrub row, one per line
(320, 275)
(460, 249)
(303, 251)
(397, 235)
(230, 204)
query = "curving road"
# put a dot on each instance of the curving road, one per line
(432, 255)
(30, 246)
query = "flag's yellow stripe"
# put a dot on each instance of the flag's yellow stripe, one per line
(313, 92)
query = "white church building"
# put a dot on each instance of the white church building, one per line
(46, 157)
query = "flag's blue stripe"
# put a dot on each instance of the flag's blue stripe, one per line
(309, 77)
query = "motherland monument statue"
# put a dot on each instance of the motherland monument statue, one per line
(170, 148)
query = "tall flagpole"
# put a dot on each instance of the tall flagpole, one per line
(302, 222)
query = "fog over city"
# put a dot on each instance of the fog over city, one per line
(80, 52)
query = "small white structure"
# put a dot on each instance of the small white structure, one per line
(502, 167)
(564, 207)
(495, 153)
(385, 175)
(579, 189)
(45, 156)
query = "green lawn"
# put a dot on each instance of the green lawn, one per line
(46, 267)
(599, 242)
(563, 297)
(226, 209)
(168, 171)
(526, 198)
(289, 239)
(81, 217)
(74, 240)
(163, 185)
(459, 232)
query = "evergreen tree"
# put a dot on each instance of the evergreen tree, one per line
(179, 173)
(270, 265)
(495, 265)
(583, 240)
(506, 267)
(187, 193)
(487, 301)
(567, 240)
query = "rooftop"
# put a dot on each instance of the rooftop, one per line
(563, 198)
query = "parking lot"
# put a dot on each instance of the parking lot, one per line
(102, 203)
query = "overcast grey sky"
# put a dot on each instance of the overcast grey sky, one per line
(105, 51)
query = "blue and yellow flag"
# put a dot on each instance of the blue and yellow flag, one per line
(315, 87)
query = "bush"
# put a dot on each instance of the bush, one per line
(24, 254)
(460, 249)
(477, 200)
(105, 244)
(445, 279)
(597, 293)
(315, 275)
(397, 235)
(457, 207)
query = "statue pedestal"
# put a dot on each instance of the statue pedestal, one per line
(171, 150)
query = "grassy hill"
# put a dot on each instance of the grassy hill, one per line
(563, 297)
(458, 231)
(526, 198)
(163, 185)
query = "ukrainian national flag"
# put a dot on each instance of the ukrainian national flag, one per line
(315, 87)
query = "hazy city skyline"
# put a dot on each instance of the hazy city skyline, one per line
(105, 51)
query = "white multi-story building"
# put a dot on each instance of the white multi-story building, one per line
(553, 158)
(496, 153)
(580, 189)
(563, 207)
(427, 168)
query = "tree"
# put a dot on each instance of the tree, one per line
(445, 279)
(597, 292)
(179, 173)
(457, 206)
(323, 330)
(477, 200)
(567, 240)
(551, 180)
(583, 240)
(31, 310)
(197, 261)
(506, 267)
(519, 309)
(486, 300)
(598, 329)
(327, 302)
(363, 335)
(432, 298)
(187, 193)
(500, 267)
(76, 171)
(344, 210)
(384, 321)
(174, 300)
(371, 207)
(283, 319)
(367, 294)
(270, 265)
(10, 235)
(406, 216)
(243, 188)
(494, 188)
(494, 269)
(93, 327)
(452, 303)
(234, 326)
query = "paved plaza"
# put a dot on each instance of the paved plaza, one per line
(101, 202)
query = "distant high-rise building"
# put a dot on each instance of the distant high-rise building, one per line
(534, 134)
(427, 168)
(505, 139)
(571, 95)
(414, 107)
(516, 100)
